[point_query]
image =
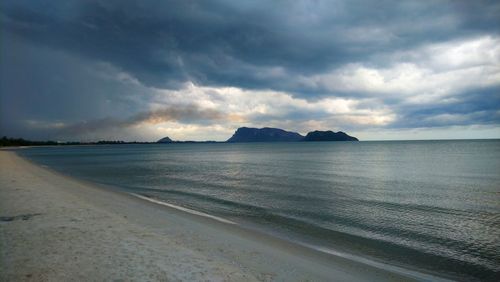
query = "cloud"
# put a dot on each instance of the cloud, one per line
(138, 68)
(470, 107)
(183, 113)
(431, 70)
(220, 43)
(274, 108)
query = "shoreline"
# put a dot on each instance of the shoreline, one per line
(409, 273)
(80, 231)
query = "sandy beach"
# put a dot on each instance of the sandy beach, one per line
(55, 228)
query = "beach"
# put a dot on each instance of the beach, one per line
(57, 228)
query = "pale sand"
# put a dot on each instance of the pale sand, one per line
(65, 230)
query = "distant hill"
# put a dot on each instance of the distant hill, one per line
(266, 134)
(6, 142)
(328, 136)
(165, 140)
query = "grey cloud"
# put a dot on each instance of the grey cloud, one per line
(478, 106)
(164, 43)
(51, 53)
(183, 113)
(45, 83)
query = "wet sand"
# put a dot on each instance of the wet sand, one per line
(55, 228)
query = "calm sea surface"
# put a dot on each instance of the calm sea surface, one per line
(431, 206)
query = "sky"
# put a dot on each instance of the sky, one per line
(198, 70)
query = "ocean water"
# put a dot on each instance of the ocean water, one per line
(429, 206)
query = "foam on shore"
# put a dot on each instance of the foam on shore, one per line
(191, 211)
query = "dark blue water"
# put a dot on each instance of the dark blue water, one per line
(431, 206)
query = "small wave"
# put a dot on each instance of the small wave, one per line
(183, 209)
(395, 269)
(379, 265)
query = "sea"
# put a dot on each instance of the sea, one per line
(430, 207)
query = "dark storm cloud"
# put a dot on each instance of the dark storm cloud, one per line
(181, 113)
(64, 61)
(479, 106)
(164, 43)
(43, 84)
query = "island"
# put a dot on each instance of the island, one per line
(165, 140)
(328, 136)
(267, 134)
(242, 134)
